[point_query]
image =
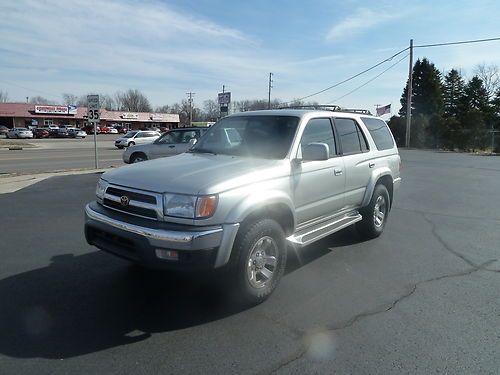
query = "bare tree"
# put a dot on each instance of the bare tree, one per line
(490, 75)
(69, 99)
(40, 100)
(134, 101)
(163, 109)
(4, 97)
(211, 110)
(107, 102)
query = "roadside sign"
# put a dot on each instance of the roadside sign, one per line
(93, 113)
(224, 98)
(224, 108)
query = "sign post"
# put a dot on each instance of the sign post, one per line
(93, 117)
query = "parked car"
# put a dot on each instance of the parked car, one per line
(4, 130)
(19, 133)
(50, 127)
(76, 133)
(40, 133)
(235, 202)
(62, 133)
(104, 130)
(136, 137)
(171, 143)
(112, 131)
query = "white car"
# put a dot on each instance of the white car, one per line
(137, 137)
(113, 131)
(19, 133)
(76, 133)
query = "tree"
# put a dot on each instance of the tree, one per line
(211, 110)
(4, 96)
(427, 94)
(69, 99)
(163, 109)
(133, 101)
(476, 95)
(453, 94)
(40, 100)
(490, 75)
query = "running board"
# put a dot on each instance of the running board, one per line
(325, 228)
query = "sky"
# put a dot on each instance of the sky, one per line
(168, 48)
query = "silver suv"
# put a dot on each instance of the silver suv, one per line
(253, 184)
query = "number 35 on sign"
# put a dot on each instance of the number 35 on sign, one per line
(93, 114)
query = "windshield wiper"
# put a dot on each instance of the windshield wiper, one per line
(201, 151)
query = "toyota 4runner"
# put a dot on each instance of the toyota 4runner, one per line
(254, 183)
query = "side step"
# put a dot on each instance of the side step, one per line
(325, 228)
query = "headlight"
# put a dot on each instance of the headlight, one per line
(189, 206)
(100, 189)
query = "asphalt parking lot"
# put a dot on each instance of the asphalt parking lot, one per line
(423, 298)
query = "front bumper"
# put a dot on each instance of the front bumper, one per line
(138, 239)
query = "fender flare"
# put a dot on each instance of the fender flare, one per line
(376, 175)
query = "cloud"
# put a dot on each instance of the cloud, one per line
(362, 20)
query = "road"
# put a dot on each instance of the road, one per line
(421, 299)
(59, 154)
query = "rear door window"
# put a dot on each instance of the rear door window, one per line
(380, 133)
(351, 137)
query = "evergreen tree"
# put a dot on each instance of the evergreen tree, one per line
(476, 96)
(427, 93)
(453, 93)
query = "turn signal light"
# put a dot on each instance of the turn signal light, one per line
(205, 206)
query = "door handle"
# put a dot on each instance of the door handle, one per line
(371, 165)
(337, 172)
(171, 146)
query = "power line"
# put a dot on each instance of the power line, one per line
(350, 78)
(370, 80)
(460, 42)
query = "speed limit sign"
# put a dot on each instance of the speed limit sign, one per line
(93, 114)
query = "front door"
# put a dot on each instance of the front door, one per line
(318, 186)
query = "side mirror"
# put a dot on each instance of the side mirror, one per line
(315, 151)
(192, 142)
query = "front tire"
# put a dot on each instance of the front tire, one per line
(258, 260)
(130, 144)
(375, 214)
(137, 158)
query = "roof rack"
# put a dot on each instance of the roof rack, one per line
(328, 107)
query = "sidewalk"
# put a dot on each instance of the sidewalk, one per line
(12, 183)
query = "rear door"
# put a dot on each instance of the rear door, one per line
(356, 158)
(166, 144)
(318, 186)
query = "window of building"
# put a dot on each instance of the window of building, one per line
(319, 130)
(380, 133)
(48, 122)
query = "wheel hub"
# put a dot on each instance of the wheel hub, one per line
(262, 262)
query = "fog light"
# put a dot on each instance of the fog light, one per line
(167, 254)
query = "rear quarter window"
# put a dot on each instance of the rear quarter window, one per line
(380, 133)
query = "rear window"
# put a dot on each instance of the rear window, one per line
(351, 136)
(380, 133)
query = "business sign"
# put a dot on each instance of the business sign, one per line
(156, 117)
(224, 98)
(51, 109)
(130, 116)
(72, 109)
(93, 105)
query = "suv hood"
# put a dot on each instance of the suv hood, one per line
(196, 173)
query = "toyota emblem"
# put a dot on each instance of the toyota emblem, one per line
(124, 200)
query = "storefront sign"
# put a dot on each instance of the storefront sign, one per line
(130, 116)
(156, 117)
(52, 109)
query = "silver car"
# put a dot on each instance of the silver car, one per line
(76, 133)
(254, 183)
(137, 137)
(19, 133)
(171, 143)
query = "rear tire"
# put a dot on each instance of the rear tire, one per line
(375, 214)
(258, 260)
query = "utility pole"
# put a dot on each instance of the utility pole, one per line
(190, 101)
(270, 87)
(409, 97)
(27, 99)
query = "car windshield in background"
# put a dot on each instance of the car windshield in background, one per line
(129, 134)
(268, 137)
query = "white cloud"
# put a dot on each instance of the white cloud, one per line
(362, 20)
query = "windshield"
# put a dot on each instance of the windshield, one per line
(268, 137)
(129, 134)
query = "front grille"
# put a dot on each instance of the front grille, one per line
(135, 210)
(145, 198)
